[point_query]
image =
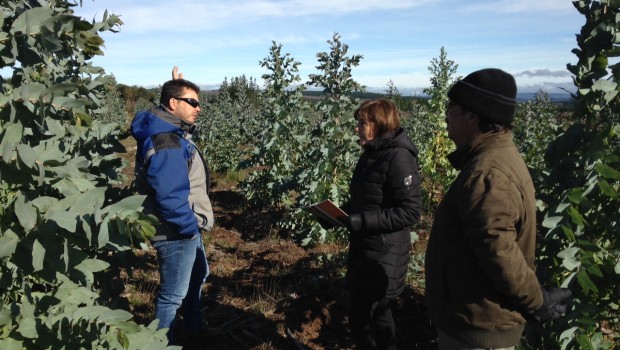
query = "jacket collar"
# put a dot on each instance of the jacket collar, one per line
(488, 140)
(379, 142)
(165, 115)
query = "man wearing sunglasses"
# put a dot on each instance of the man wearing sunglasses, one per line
(172, 173)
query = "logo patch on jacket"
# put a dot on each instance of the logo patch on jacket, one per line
(408, 181)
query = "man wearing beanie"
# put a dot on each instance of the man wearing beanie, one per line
(480, 279)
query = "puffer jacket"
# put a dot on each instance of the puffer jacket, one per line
(479, 265)
(172, 173)
(385, 190)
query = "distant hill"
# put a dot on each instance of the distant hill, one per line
(553, 96)
(521, 97)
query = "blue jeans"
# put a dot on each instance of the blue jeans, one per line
(183, 268)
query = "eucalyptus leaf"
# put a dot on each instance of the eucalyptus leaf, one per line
(66, 187)
(567, 335)
(66, 171)
(12, 136)
(113, 316)
(147, 229)
(604, 85)
(92, 265)
(82, 296)
(5, 316)
(8, 243)
(607, 172)
(123, 339)
(51, 43)
(25, 212)
(11, 344)
(43, 203)
(30, 21)
(28, 328)
(575, 195)
(552, 221)
(83, 184)
(570, 259)
(58, 90)
(83, 203)
(585, 282)
(576, 217)
(26, 155)
(566, 283)
(89, 313)
(103, 236)
(130, 203)
(72, 103)
(568, 231)
(38, 255)
(65, 219)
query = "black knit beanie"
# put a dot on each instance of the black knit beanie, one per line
(489, 93)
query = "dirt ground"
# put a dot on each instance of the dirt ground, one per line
(266, 292)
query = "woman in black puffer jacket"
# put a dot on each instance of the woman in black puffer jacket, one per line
(385, 203)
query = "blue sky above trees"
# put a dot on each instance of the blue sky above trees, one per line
(211, 40)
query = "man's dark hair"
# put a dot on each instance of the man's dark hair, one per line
(174, 88)
(486, 125)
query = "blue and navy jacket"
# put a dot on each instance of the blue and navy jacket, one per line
(172, 173)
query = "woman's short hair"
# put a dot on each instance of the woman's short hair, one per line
(382, 112)
(175, 88)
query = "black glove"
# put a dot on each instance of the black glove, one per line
(353, 223)
(326, 225)
(554, 303)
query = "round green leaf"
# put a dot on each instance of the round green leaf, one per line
(26, 155)
(28, 328)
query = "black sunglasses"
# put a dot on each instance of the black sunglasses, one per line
(190, 101)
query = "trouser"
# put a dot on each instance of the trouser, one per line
(183, 268)
(446, 342)
(372, 324)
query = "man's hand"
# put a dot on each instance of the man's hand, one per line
(554, 303)
(176, 75)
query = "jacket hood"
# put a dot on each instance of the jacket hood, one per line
(399, 139)
(156, 121)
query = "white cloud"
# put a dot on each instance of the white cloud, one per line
(186, 15)
(553, 7)
(544, 73)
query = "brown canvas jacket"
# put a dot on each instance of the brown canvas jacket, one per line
(480, 277)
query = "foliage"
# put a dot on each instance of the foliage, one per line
(303, 155)
(231, 126)
(59, 214)
(428, 130)
(137, 98)
(332, 149)
(113, 108)
(392, 93)
(280, 147)
(536, 124)
(580, 248)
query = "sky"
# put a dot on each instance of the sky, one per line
(217, 39)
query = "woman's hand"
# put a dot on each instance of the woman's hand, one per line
(354, 222)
